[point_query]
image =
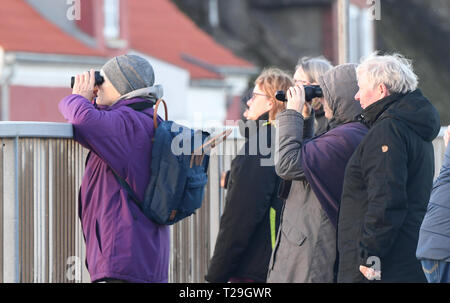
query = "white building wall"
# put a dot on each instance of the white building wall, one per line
(193, 103)
(206, 107)
(47, 75)
(42, 73)
(238, 84)
(175, 81)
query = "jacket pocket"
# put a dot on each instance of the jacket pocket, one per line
(294, 235)
(194, 191)
(98, 237)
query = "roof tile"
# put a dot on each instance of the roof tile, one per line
(24, 29)
(159, 28)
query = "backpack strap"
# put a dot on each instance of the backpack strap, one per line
(213, 142)
(128, 188)
(155, 113)
(141, 106)
(200, 152)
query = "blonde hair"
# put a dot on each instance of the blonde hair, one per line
(270, 81)
(394, 71)
(314, 67)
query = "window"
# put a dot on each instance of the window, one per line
(111, 10)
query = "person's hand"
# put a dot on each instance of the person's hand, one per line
(447, 136)
(84, 85)
(296, 98)
(223, 179)
(316, 104)
(370, 273)
(306, 110)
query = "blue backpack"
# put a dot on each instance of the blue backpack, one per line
(177, 179)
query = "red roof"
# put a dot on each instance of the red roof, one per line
(157, 28)
(160, 29)
(24, 29)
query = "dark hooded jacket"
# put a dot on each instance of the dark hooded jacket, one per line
(306, 243)
(387, 187)
(252, 209)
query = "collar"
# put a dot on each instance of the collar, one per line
(371, 114)
(261, 121)
(120, 103)
(264, 117)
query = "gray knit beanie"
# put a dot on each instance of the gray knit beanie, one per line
(128, 73)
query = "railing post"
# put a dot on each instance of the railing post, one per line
(10, 212)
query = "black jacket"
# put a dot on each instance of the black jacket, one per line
(386, 190)
(244, 244)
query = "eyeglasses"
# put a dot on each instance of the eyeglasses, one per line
(257, 94)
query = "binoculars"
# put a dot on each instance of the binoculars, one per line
(98, 79)
(311, 92)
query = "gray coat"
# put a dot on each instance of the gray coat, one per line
(305, 249)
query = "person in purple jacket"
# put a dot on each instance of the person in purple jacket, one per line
(122, 245)
(313, 171)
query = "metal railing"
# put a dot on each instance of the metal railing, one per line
(41, 240)
(41, 168)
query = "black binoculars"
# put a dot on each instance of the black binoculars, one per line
(98, 79)
(311, 92)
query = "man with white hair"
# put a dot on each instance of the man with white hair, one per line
(389, 177)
